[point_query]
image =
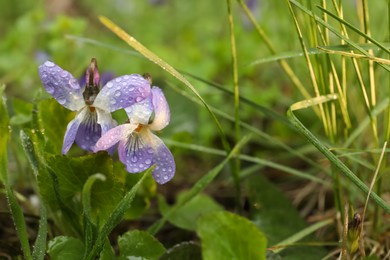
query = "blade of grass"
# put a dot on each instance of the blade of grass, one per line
(287, 69)
(90, 229)
(279, 247)
(115, 217)
(341, 48)
(327, 153)
(247, 158)
(354, 55)
(199, 186)
(334, 31)
(256, 131)
(357, 30)
(236, 91)
(165, 66)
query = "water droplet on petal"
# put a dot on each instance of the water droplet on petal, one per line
(74, 83)
(134, 158)
(118, 80)
(117, 93)
(131, 88)
(126, 77)
(148, 161)
(112, 101)
(109, 85)
(138, 99)
(165, 177)
(50, 90)
(49, 64)
(61, 100)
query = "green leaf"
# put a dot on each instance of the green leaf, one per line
(199, 186)
(64, 248)
(72, 173)
(185, 250)
(186, 216)
(225, 235)
(54, 118)
(274, 214)
(140, 244)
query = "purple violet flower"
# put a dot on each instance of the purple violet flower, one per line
(92, 103)
(138, 147)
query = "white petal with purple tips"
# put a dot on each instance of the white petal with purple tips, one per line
(140, 112)
(161, 110)
(122, 92)
(61, 85)
(113, 136)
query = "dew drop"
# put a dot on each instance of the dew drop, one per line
(165, 177)
(138, 99)
(148, 161)
(61, 100)
(131, 88)
(134, 158)
(141, 165)
(64, 74)
(126, 77)
(73, 83)
(112, 101)
(49, 64)
(117, 80)
(117, 93)
(109, 85)
(50, 90)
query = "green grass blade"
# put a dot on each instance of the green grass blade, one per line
(237, 128)
(199, 186)
(257, 132)
(40, 242)
(115, 217)
(157, 60)
(298, 236)
(326, 152)
(247, 158)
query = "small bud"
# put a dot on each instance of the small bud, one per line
(92, 74)
(92, 79)
(148, 77)
(354, 230)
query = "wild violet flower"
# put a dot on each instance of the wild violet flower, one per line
(138, 147)
(92, 103)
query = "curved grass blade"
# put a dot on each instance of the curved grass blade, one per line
(354, 55)
(301, 234)
(314, 51)
(326, 152)
(115, 217)
(165, 66)
(90, 229)
(199, 185)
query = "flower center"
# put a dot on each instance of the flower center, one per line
(138, 129)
